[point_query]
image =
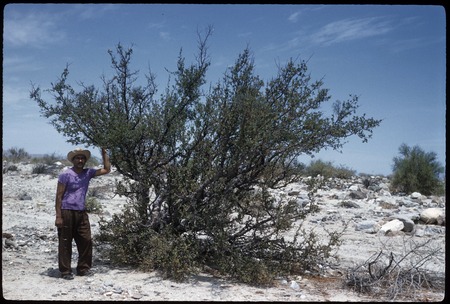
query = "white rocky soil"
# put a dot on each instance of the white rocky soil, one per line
(376, 220)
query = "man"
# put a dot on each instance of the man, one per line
(72, 220)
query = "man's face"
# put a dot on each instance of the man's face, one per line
(79, 161)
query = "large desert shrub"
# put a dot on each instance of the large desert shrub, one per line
(416, 171)
(199, 166)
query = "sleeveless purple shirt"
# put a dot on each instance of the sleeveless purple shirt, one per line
(74, 197)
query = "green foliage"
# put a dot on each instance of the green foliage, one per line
(417, 171)
(133, 244)
(8, 168)
(40, 169)
(48, 159)
(93, 205)
(16, 155)
(327, 170)
(209, 160)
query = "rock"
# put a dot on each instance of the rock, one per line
(368, 226)
(374, 188)
(349, 204)
(354, 188)
(384, 192)
(136, 295)
(294, 193)
(416, 195)
(408, 224)
(358, 195)
(25, 197)
(294, 285)
(413, 216)
(392, 227)
(430, 231)
(7, 235)
(433, 216)
(387, 202)
(11, 243)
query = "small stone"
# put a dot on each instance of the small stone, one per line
(294, 285)
(136, 295)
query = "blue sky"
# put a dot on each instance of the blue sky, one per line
(392, 57)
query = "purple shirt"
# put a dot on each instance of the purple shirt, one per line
(74, 197)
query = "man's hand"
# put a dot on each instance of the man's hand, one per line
(106, 164)
(59, 222)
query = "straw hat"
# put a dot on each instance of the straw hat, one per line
(78, 151)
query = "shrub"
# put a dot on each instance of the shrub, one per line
(327, 170)
(40, 169)
(9, 168)
(400, 276)
(416, 171)
(48, 159)
(93, 205)
(16, 155)
(199, 165)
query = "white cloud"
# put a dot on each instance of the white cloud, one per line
(15, 95)
(165, 35)
(154, 25)
(89, 12)
(34, 30)
(14, 64)
(294, 17)
(350, 29)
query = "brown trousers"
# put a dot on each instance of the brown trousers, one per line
(76, 227)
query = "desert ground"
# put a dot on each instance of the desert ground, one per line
(29, 248)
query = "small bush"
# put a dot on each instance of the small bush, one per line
(40, 169)
(9, 168)
(16, 155)
(93, 205)
(327, 170)
(48, 159)
(344, 172)
(416, 171)
(401, 276)
(171, 255)
(142, 247)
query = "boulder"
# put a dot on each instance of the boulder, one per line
(433, 216)
(392, 227)
(354, 188)
(416, 195)
(357, 194)
(368, 226)
(408, 223)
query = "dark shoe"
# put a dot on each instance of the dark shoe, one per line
(87, 273)
(67, 276)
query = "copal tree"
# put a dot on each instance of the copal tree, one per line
(199, 165)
